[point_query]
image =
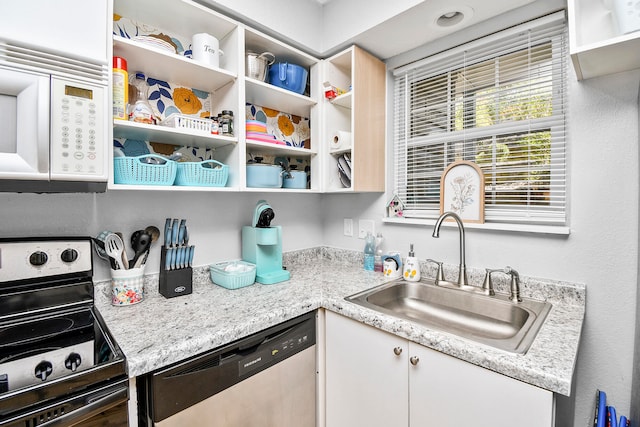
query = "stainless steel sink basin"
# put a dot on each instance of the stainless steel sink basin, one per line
(491, 320)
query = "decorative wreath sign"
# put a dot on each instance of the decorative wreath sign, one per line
(462, 191)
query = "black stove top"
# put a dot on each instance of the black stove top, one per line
(53, 342)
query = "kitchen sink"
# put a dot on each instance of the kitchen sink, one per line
(490, 320)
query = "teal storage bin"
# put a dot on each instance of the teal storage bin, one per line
(200, 174)
(137, 170)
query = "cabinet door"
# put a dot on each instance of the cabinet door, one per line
(366, 382)
(447, 392)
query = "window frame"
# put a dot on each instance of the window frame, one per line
(554, 220)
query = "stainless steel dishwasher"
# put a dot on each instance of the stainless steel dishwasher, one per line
(266, 379)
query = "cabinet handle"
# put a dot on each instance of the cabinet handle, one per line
(397, 351)
(414, 360)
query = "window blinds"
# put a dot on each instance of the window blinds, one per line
(498, 101)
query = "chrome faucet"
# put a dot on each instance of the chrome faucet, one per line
(462, 269)
(514, 296)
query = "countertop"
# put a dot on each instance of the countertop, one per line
(159, 331)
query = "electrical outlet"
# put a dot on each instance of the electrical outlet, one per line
(365, 225)
(348, 227)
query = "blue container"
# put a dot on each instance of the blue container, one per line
(288, 76)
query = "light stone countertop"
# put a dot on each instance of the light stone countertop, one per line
(160, 331)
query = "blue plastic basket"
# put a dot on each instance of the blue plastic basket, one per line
(288, 76)
(197, 174)
(134, 170)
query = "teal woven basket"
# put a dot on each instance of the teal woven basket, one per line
(136, 170)
(200, 174)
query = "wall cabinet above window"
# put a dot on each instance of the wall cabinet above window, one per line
(599, 43)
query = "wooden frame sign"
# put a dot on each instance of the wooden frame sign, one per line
(462, 191)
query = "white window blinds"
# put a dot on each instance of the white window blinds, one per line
(498, 101)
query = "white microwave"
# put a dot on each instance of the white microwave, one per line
(54, 97)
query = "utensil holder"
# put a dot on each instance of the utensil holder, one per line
(127, 286)
(174, 283)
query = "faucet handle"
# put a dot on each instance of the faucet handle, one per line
(487, 284)
(515, 284)
(439, 274)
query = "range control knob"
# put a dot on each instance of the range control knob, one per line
(38, 258)
(43, 370)
(69, 255)
(73, 361)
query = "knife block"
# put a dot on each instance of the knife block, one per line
(174, 283)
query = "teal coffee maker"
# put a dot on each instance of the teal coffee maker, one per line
(262, 246)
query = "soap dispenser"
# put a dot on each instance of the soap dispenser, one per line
(411, 266)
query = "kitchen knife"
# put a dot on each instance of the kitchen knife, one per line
(181, 234)
(175, 229)
(180, 260)
(167, 258)
(174, 255)
(191, 250)
(623, 421)
(167, 232)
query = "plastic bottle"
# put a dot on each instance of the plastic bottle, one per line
(377, 260)
(411, 271)
(369, 251)
(141, 110)
(120, 88)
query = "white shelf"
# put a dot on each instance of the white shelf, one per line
(277, 149)
(171, 188)
(343, 100)
(596, 47)
(270, 96)
(161, 64)
(157, 133)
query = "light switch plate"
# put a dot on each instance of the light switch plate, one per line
(348, 227)
(365, 225)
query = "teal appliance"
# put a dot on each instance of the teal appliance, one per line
(262, 246)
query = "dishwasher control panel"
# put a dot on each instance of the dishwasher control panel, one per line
(278, 348)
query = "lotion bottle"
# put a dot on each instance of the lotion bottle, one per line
(411, 270)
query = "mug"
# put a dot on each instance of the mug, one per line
(206, 49)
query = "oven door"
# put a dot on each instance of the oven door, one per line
(106, 406)
(24, 125)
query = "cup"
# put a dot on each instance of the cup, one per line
(206, 49)
(127, 286)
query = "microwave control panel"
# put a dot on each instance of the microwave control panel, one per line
(78, 130)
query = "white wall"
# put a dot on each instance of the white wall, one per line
(214, 219)
(601, 251)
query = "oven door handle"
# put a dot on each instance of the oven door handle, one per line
(93, 408)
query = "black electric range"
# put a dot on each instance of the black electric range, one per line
(59, 365)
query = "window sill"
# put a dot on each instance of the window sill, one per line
(517, 228)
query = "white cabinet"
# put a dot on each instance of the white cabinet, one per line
(303, 120)
(359, 111)
(293, 111)
(366, 381)
(177, 22)
(368, 384)
(597, 48)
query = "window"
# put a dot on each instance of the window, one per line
(499, 102)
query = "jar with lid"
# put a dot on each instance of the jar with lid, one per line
(225, 123)
(140, 109)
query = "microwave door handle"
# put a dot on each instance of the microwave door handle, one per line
(44, 124)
